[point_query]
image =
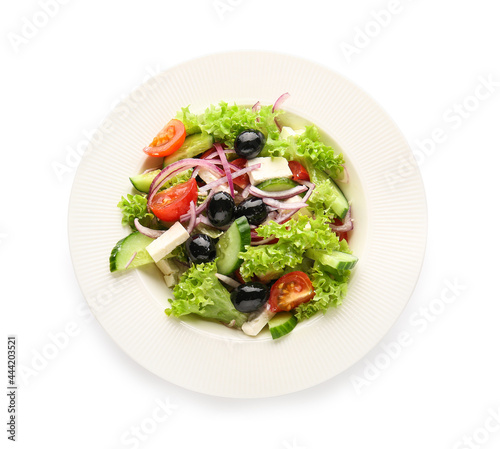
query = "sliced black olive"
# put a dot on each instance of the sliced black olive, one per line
(220, 210)
(254, 209)
(250, 297)
(249, 143)
(200, 248)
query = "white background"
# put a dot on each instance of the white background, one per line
(63, 77)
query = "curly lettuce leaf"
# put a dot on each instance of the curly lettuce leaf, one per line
(190, 121)
(330, 290)
(184, 176)
(309, 150)
(224, 122)
(135, 206)
(295, 236)
(199, 292)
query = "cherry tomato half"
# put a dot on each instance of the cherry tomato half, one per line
(243, 180)
(170, 204)
(289, 291)
(341, 235)
(168, 140)
(298, 171)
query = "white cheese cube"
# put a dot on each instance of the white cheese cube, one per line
(271, 167)
(208, 177)
(170, 280)
(286, 132)
(257, 322)
(167, 266)
(165, 244)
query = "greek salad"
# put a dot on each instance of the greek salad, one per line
(243, 216)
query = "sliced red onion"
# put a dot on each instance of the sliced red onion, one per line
(345, 178)
(148, 232)
(246, 191)
(192, 217)
(278, 195)
(227, 280)
(225, 165)
(278, 124)
(223, 180)
(215, 154)
(256, 107)
(149, 170)
(199, 209)
(280, 101)
(173, 169)
(347, 226)
(281, 205)
(131, 260)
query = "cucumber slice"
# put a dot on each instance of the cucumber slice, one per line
(277, 184)
(230, 244)
(281, 324)
(124, 250)
(143, 182)
(333, 259)
(192, 146)
(338, 202)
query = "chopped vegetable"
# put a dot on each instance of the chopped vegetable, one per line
(199, 292)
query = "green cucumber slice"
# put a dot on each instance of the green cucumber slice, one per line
(230, 244)
(281, 324)
(124, 250)
(276, 184)
(143, 182)
(333, 259)
(192, 146)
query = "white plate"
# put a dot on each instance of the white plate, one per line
(388, 204)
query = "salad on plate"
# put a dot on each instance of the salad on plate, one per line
(243, 216)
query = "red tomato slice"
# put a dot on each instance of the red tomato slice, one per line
(298, 171)
(243, 180)
(289, 291)
(208, 153)
(341, 235)
(170, 204)
(168, 140)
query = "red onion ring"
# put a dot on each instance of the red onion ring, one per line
(199, 209)
(223, 180)
(280, 205)
(256, 107)
(131, 260)
(225, 165)
(175, 168)
(148, 232)
(246, 191)
(279, 101)
(347, 226)
(278, 195)
(192, 217)
(345, 179)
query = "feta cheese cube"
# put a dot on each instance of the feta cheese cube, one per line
(167, 266)
(286, 132)
(165, 244)
(208, 177)
(271, 167)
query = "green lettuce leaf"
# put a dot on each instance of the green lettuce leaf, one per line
(190, 120)
(330, 290)
(135, 206)
(199, 292)
(224, 122)
(295, 236)
(309, 150)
